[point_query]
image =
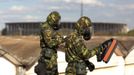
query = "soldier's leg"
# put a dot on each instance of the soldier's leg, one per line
(71, 69)
(40, 68)
(51, 65)
(48, 67)
(81, 68)
(54, 64)
(55, 70)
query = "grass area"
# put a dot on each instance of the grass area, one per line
(131, 32)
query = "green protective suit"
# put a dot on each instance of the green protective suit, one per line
(49, 41)
(76, 52)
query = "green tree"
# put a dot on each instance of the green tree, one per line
(131, 32)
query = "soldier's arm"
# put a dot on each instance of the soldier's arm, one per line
(42, 45)
(47, 38)
(41, 35)
(98, 51)
(59, 38)
(85, 52)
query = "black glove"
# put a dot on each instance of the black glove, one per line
(39, 69)
(90, 65)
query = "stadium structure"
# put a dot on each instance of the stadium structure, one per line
(33, 28)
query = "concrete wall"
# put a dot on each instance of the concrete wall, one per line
(31, 70)
(114, 67)
(129, 67)
(6, 67)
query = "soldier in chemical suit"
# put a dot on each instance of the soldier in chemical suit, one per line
(76, 53)
(50, 39)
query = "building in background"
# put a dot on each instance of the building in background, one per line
(110, 28)
(33, 28)
(22, 28)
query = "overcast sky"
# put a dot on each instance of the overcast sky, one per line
(118, 11)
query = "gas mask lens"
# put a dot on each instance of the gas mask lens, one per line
(56, 26)
(87, 33)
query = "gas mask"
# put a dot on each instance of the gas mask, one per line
(56, 26)
(87, 33)
(54, 19)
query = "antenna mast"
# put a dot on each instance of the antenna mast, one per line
(81, 8)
